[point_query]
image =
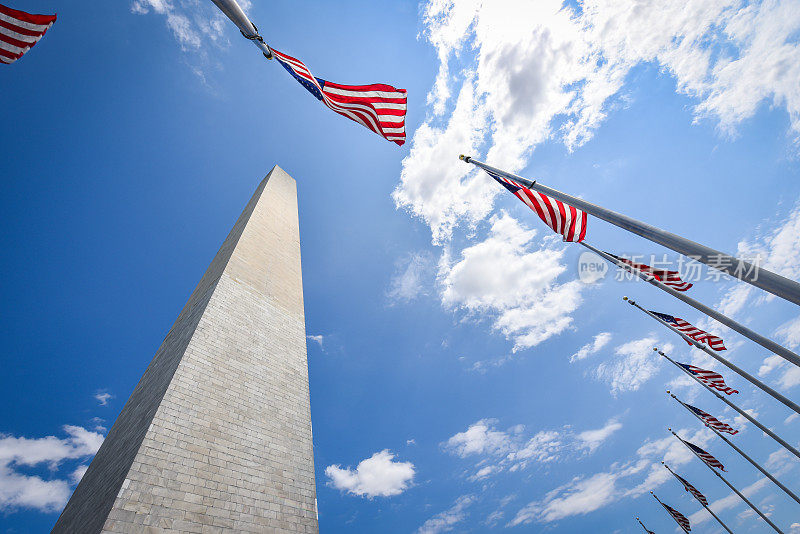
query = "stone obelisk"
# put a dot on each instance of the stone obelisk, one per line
(216, 436)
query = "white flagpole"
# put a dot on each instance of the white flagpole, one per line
(698, 500)
(743, 413)
(766, 280)
(758, 338)
(737, 492)
(750, 378)
(741, 452)
(673, 517)
(233, 11)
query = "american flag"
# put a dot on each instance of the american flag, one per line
(561, 218)
(379, 107)
(701, 336)
(711, 421)
(668, 278)
(710, 378)
(19, 31)
(691, 489)
(679, 518)
(703, 455)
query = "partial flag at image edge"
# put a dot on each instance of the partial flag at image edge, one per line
(20, 31)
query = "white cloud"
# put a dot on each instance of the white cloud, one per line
(635, 363)
(790, 418)
(77, 475)
(319, 339)
(409, 279)
(377, 476)
(586, 494)
(731, 501)
(592, 439)
(445, 521)
(578, 497)
(507, 277)
(19, 490)
(194, 25)
(498, 450)
(103, 397)
(553, 72)
(480, 438)
(600, 340)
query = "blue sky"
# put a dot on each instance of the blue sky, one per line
(462, 378)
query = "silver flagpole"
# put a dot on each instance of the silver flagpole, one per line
(737, 449)
(766, 280)
(722, 478)
(233, 11)
(743, 413)
(753, 380)
(644, 527)
(665, 509)
(698, 500)
(746, 332)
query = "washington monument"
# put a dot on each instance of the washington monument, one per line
(216, 436)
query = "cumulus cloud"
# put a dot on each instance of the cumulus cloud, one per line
(377, 476)
(554, 71)
(634, 364)
(509, 278)
(447, 520)
(499, 450)
(410, 277)
(600, 340)
(18, 490)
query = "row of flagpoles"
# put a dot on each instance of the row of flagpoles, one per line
(568, 216)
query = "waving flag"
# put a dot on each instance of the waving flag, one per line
(711, 421)
(19, 31)
(668, 278)
(703, 455)
(710, 378)
(679, 518)
(701, 336)
(561, 218)
(691, 489)
(379, 107)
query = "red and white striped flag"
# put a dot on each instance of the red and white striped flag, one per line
(710, 378)
(668, 278)
(703, 455)
(691, 331)
(379, 107)
(679, 518)
(562, 218)
(19, 31)
(710, 420)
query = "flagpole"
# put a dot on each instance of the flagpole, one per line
(768, 344)
(698, 500)
(233, 11)
(751, 505)
(753, 380)
(665, 508)
(743, 413)
(741, 452)
(744, 271)
(644, 527)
